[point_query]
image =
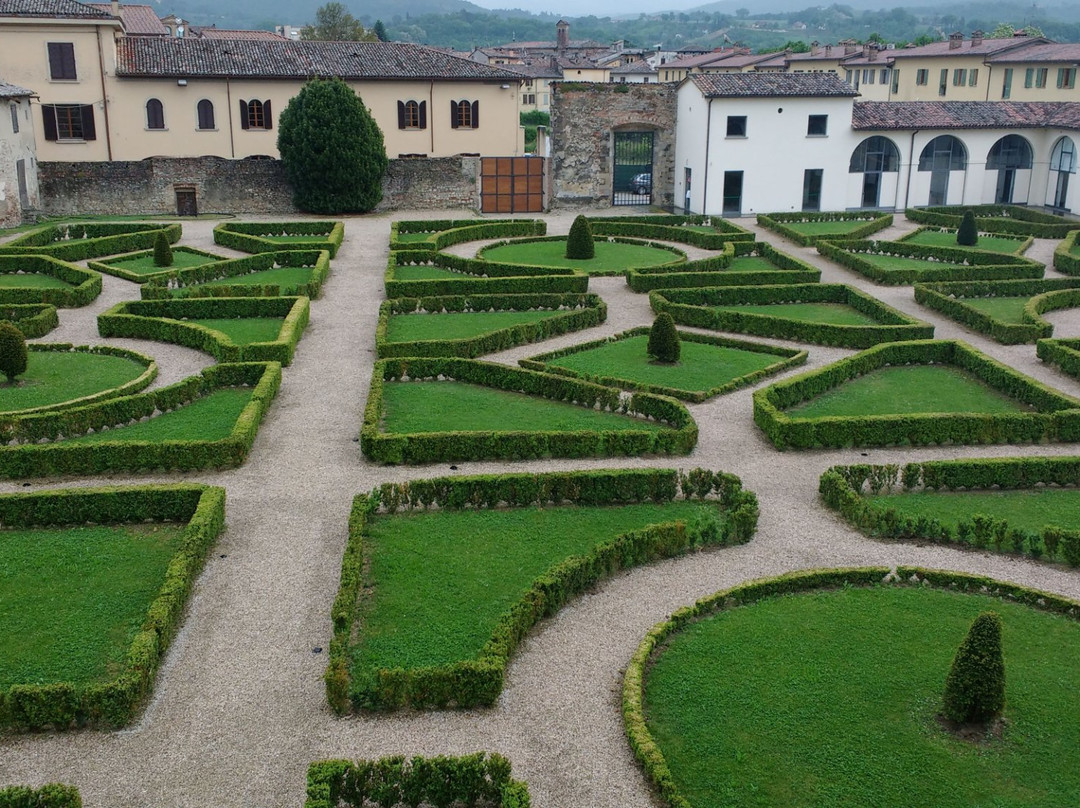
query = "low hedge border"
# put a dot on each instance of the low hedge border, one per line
(948, 298)
(778, 223)
(109, 265)
(787, 358)
(1062, 353)
(163, 321)
(52, 795)
(679, 255)
(30, 448)
(33, 319)
(478, 779)
(478, 277)
(570, 312)
(1022, 242)
(113, 703)
(647, 750)
(709, 272)
(692, 307)
(447, 232)
(430, 447)
(79, 241)
(1013, 220)
(85, 283)
(250, 237)
(672, 228)
(841, 488)
(1066, 256)
(479, 681)
(976, 264)
(190, 282)
(1056, 416)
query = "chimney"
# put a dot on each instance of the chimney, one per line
(116, 8)
(815, 48)
(828, 50)
(873, 54)
(976, 38)
(956, 39)
(562, 35)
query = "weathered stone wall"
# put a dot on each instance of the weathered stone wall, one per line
(236, 186)
(584, 118)
(15, 147)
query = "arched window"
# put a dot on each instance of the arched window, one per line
(874, 154)
(943, 152)
(155, 114)
(205, 111)
(412, 114)
(256, 114)
(1012, 151)
(464, 114)
(1063, 157)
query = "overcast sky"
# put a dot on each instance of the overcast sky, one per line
(601, 8)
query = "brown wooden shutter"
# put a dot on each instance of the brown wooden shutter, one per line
(244, 123)
(268, 115)
(48, 114)
(453, 115)
(475, 114)
(423, 114)
(56, 60)
(88, 130)
(400, 114)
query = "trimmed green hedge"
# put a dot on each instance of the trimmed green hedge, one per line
(570, 312)
(1056, 416)
(189, 282)
(429, 447)
(948, 298)
(1063, 353)
(35, 454)
(33, 319)
(109, 265)
(1013, 220)
(447, 232)
(714, 271)
(1022, 242)
(645, 747)
(478, 277)
(79, 241)
(61, 705)
(479, 681)
(976, 264)
(777, 222)
(786, 358)
(251, 237)
(672, 228)
(841, 488)
(141, 382)
(679, 257)
(52, 795)
(163, 321)
(85, 284)
(478, 779)
(692, 307)
(1067, 255)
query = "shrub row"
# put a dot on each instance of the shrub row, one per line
(1056, 416)
(975, 264)
(678, 256)
(1022, 242)
(645, 747)
(1063, 353)
(188, 282)
(1005, 219)
(694, 307)
(35, 455)
(730, 231)
(141, 382)
(113, 703)
(251, 237)
(163, 320)
(429, 447)
(778, 223)
(479, 681)
(679, 231)
(786, 358)
(52, 795)
(33, 319)
(1067, 254)
(434, 782)
(110, 266)
(447, 232)
(79, 241)
(478, 277)
(85, 284)
(709, 272)
(570, 312)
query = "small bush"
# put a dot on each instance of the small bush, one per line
(163, 256)
(968, 234)
(664, 340)
(975, 687)
(12, 351)
(579, 245)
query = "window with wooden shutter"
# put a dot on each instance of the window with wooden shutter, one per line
(155, 114)
(400, 114)
(423, 115)
(89, 132)
(62, 61)
(464, 114)
(256, 114)
(48, 114)
(475, 114)
(244, 124)
(205, 110)
(68, 121)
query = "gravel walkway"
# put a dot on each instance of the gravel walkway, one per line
(239, 711)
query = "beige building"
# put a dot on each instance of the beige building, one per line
(18, 158)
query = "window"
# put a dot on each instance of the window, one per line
(530, 99)
(885, 76)
(922, 77)
(1040, 77)
(973, 77)
(412, 114)
(874, 154)
(1006, 83)
(256, 115)
(959, 77)
(14, 118)
(1012, 151)
(155, 114)
(945, 153)
(943, 81)
(464, 114)
(895, 81)
(811, 194)
(205, 110)
(1029, 77)
(62, 61)
(817, 126)
(868, 76)
(736, 126)
(1066, 78)
(68, 121)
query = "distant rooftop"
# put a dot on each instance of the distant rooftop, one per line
(64, 9)
(883, 115)
(779, 85)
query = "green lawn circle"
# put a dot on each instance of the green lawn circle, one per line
(611, 256)
(58, 378)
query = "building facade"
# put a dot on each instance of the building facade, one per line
(18, 156)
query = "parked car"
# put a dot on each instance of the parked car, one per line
(641, 184)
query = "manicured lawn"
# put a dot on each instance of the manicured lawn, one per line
(752, 263)
(425, 273)
(455, 406)
(31, 280)
(1005, 309)
(840, 226)
(832, 313)
(282, 276)
(909, 389)
(74, 597)
(245, 330)
(1009, 246)
(1029, 509)
(408, 237)
(53, 377)
(829, 699)
(441, 580)
(902, 262)
(610, 256)
(457, 325)
(145, 265)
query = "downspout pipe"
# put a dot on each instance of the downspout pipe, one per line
(431, 114)
(232, 136)
(104, 95)
(705, 183)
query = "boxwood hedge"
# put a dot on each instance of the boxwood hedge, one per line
(677, 255)
(1022, 242)
(1008, 219)
(680, 228)
(715, 271)
(190, 282)
(51, 795)
(110, 266)
(1067, 254)
(443, 233)
(778, 223)
(478, 277)
(33, 319)
(975, 264)
(79, 241)
(1063, 353)
(85, 284)
(256, 237)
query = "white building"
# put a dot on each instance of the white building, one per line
(18, 156)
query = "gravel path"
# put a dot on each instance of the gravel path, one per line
(239, 712)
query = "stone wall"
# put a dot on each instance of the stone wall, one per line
(584, 118)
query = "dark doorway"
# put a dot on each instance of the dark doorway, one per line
(1006, 181)
(811, 188)
(186, 202)
(733, 182)
(632, 175)
(24, 194)
(871, 190)
(686, 197)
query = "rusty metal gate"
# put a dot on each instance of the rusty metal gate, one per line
(512, 184)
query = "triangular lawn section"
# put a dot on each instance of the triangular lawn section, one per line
(282, 276)
(244, 330)
(830, 313)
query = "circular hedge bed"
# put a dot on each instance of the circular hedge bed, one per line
(613, 257)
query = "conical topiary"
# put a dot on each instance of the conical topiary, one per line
(968, 234)
(664, 340)
(975, 686)
(12, 351)
(162, 250)
(579, 245)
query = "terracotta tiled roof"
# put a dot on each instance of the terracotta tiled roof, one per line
(688, 62)
(786, 85)
(13, 91)
(138, 20)
(639, 68)
(1049, 52)
(50, 8)
(537, 70)
(965, 115)
(967, 48)
(142, 57)
(234, 33)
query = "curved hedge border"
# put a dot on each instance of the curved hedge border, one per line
(787, 358)
(711, 272)
(479, 681)
(478, 779)
(778, 223)
(1056, 416)
(1022, 242)
(1066, 256)
(31, 458)
(109, 265)
(672, 228)
(60, 705)
(570, 312)
(163, 321)
(250, 237)
(189, 282)
(429, 447)
(478, 277)
(1013, 220)
(841, 488)
(645, 747)
(79, 241)
(447, 232)
(948, 298)
(680, 256)
(692, 307)
(52, 795)
(86, 284)
(141, 382)
(33, 319)
(1063, 353)
(976, 265)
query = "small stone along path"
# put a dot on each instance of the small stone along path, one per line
(238, 710)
